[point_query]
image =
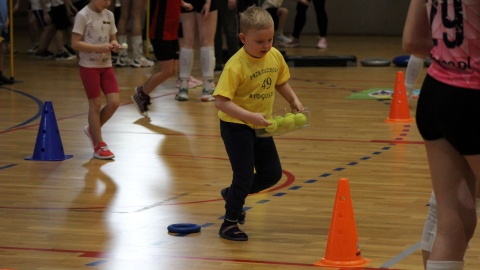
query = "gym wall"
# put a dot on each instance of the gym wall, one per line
(355, 17)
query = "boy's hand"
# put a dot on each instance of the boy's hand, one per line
(297, 106)
(257, 119)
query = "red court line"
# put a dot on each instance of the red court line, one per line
(107, 255)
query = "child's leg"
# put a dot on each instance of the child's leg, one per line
(239, 144)
(110, 89)
(207, 29)
(94, 124)
(267, 165)
(189, 28)
(167, 70)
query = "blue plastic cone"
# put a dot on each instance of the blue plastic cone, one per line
(49, 144)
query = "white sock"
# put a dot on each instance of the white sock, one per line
(430, 227)
(444, 265)
(137, 46)
(185, 65)
(207, 59)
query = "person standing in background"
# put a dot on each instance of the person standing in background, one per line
(301, 19)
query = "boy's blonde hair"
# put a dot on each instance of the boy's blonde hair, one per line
(255, 18)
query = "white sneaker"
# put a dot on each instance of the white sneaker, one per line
(141, 62)
(182, 95)
(322, 43)
(282, 38)
(207, 95)
(122, 61)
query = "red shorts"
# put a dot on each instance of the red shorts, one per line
(96, 80)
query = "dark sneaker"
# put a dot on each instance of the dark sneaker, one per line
(141, 101)
(243, 215)
(44, 54)
(69, 49)
(232, 232)
(6, 80)
(64, 56)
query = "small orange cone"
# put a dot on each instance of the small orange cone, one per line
(343, 249)
(399, 111)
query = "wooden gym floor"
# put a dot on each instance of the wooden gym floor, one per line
(84, 213)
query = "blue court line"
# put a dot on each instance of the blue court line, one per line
(39, 104)
(8, 166)
(96, 263)
(401, 256)
(263, 201)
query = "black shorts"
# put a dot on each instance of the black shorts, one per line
(81, 4)
(165, 50)
(59, 17)
(198, 5)
(453, 113)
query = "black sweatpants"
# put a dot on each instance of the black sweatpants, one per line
(255, 165)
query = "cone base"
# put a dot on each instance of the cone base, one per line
(392, 120)
(358, 263)
(49, 159)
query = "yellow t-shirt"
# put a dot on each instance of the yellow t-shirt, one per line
(250, 82)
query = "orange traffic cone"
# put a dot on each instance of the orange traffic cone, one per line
(343, 248)
(399, 111)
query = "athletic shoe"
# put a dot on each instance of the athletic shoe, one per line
(33, 49)
(182, 95)
(87, 132)
(322, 43)
(64, 56)
(243, 215)
(102, 151)
(207, 95)
(294, 43)
(141, 101)
(232, 232)
(141, 62)
(6, 80)
(122, 61)
(282, 38)
(44, 54)
(192, 82)
(69, 49)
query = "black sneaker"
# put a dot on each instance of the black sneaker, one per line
(141, 100)
(64, 56)
(6, 80)
(243, 215)
(232, 232)
(44, 54)
(69, 49)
